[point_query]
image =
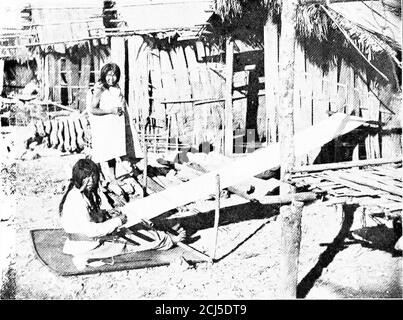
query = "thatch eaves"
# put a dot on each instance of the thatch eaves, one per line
(13, 39)
(159, 19)
(327, 32)
(58, 26)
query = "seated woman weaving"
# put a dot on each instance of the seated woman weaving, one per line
(87, 225)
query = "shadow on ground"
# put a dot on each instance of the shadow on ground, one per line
(377, 238)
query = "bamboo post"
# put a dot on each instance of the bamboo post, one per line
(177, 132)
(216, 218)
(167, 135)
(155, 140)
(228, 135)
(290, 216)
(1, 74)
(145, 174)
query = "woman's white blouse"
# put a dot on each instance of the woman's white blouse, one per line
(76, 219)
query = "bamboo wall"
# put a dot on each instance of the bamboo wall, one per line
(341, 89)
(168, 85)
(67, 81)
(179, 90)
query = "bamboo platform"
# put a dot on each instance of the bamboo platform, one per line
(376, 188)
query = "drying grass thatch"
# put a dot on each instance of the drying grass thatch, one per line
(326, 35)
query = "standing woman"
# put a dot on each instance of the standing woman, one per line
(107, 120)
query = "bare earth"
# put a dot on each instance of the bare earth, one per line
(248, 251)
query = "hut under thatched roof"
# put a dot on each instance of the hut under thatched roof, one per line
(325, 31)
(348, 58)
(172, 54)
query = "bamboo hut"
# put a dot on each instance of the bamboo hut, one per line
(180, 71)
(17, 62)
(348, 59)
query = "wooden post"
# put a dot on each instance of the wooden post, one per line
(155, 140)
(228, 116)
(1, 75)
(290, 216)
(290, 219)
(216, 218)
(145, 174)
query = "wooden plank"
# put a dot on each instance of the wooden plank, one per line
(69, 80)
(319, 108)
(388, 181)
(332, 82)
(228, 109)
(157, 90)
(118, 53)
(1, 74)
(342, 86)
(374, 177)
(392, 173)
(336, 177)
(237, 171)
(169, 89)
(55, 72)
(373, 105)
(271, 77)
(197, 93)
(184, 89)
(84, 81)
(350, 108)
(371, 183)
(300, 120)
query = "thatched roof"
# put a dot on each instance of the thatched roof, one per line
(56, 26)
(12, 38)
(163, 19)
(61, 25)
(328, 33)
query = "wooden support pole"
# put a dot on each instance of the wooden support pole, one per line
(216, 218)
(290, 219)
(1, 75)
(228, 116)
(290, 216)
(145, 174)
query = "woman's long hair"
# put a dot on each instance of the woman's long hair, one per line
(82, 169)
(105, 69)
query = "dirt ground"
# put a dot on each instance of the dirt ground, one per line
(248, 250)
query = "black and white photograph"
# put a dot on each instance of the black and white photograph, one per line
(201, 150)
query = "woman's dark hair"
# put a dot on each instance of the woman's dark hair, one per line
(105, 69)
(82, 169)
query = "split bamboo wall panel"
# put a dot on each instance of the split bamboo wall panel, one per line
(166, 85)
(68, 82)
(341, 89)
